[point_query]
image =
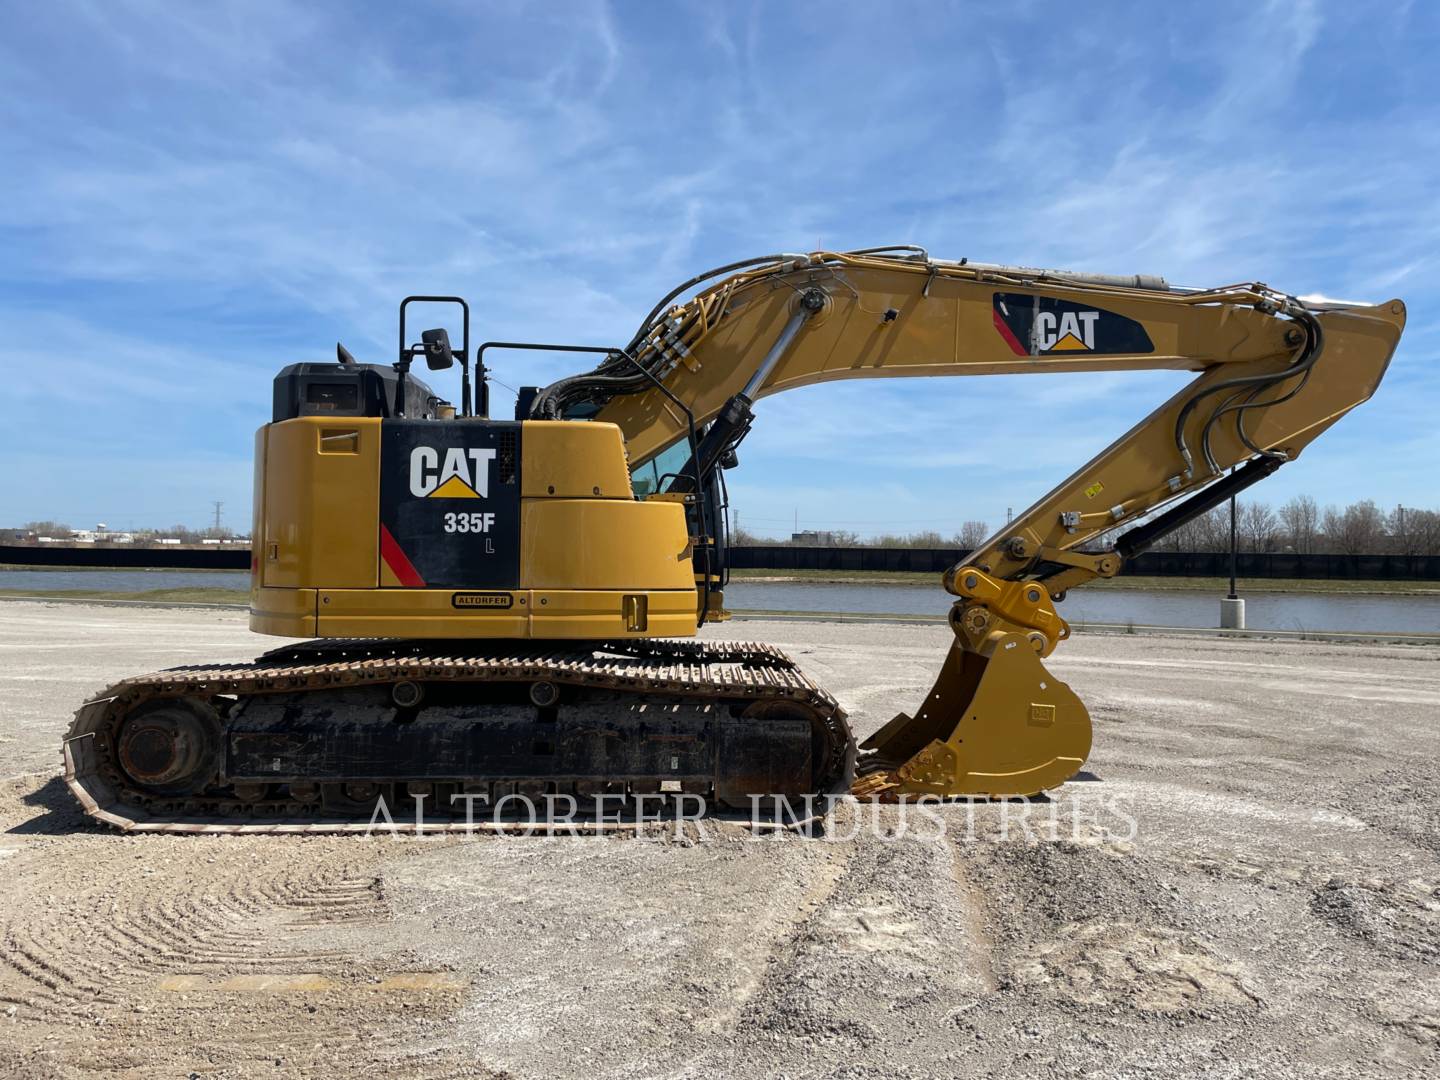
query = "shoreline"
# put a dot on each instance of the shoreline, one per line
(918, 579)
(906, 579)
(229, 601)
(910, 578)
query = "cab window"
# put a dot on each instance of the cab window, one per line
(657, 474)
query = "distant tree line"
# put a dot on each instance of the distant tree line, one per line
(1299, 525)
(971, 534)
(58, 530)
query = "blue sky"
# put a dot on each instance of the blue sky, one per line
(197, 194)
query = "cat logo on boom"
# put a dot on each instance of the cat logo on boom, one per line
(1033, 324)
(1065, 331)
(462, 473)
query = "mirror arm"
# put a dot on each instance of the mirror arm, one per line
(406, 353)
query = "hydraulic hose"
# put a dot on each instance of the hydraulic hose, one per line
(1309, 353)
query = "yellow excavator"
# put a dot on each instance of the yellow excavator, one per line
(492, 607)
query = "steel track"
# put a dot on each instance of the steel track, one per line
(688, 671)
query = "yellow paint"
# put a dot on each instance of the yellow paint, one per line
(549, 613)
(584, 553)
(454, 488)
(604, 544)
(569, 460)
(1069, 343)
(601, 614)
(1094, 489)
(320, 508)
(283, 612)
(983, 729)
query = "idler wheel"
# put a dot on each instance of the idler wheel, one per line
(170, 747)
(544, 694)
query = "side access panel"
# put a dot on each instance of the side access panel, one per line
(450, 504)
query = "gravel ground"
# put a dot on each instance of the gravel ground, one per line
(1249, 885)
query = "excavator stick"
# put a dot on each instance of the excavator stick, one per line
(997, 725)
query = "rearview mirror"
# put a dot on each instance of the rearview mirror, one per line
(437, 349)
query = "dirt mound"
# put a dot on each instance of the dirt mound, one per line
(1400, 919)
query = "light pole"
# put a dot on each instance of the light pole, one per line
(1234, 549)
(1232, 608)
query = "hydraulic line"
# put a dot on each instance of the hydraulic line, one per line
(700, 314)
(1309, 354)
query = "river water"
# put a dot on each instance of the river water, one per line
(123, 580)
(1143, 607)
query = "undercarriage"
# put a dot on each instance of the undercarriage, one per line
(333, 736)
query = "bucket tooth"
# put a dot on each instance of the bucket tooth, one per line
(998, 725)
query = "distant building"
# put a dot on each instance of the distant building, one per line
(813, 539)
(100, 534)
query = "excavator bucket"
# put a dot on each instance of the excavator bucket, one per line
(997, 725)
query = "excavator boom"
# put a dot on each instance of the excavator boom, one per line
(1273, 373)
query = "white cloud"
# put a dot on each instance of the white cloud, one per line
(213, 191)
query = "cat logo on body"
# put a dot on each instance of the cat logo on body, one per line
(1065, 331)
(462, 473)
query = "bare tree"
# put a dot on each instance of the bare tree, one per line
(1364, 527)
(1300, 518)
(1256, 524)
(1413, 532)
(971, 535)
(1425, 527)
(1191, 536)
(56, 529)
(926, 539)
(1360, 529)
(1357, 530)
(1212, 529)
(743, 537)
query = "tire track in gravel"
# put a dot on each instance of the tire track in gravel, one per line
(170, 955)
(892, 954)
(131, 922)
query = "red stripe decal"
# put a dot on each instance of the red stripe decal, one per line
(403, 569)
(1008, 334)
